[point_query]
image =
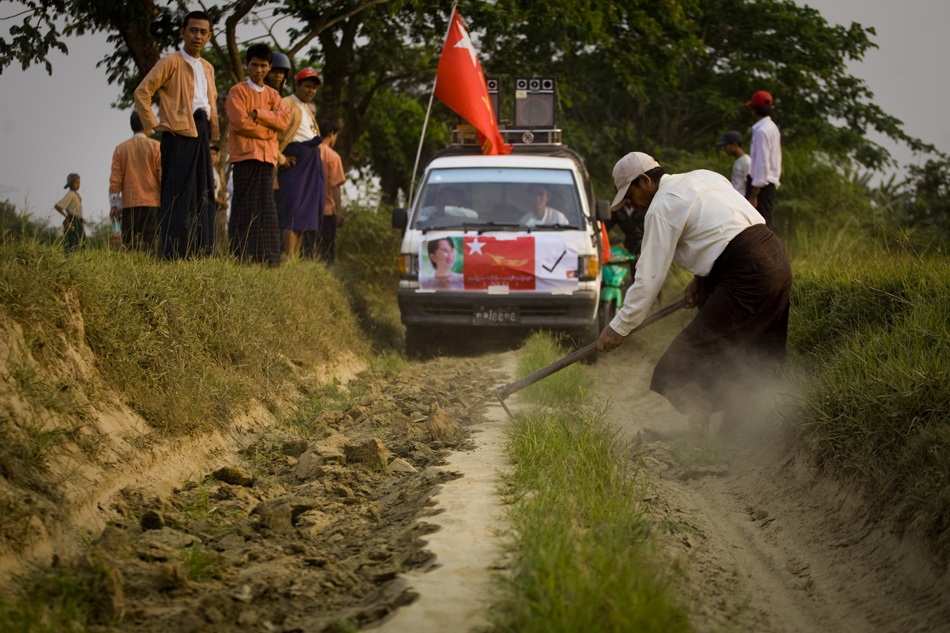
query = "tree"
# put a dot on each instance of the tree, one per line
(653, 75)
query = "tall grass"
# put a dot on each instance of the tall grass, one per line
(872, 347)
(185, 343)
(584, 558)
(368, 248)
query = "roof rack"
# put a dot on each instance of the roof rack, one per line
(467, 136)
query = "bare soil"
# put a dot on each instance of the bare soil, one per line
(271, 530)
(764, 541)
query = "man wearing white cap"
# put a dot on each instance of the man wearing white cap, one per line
(741, 285)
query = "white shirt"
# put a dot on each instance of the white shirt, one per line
(200, 100)
(691, 220)
(766, 153)
(550, 217)
(305, 131)
(254, 85)
(740, 169)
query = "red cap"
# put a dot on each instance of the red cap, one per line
(308, 73)
(760, 98)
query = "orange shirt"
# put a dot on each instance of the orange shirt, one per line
(333, 169)
(250, 139)
(173, 79)
(137, 172)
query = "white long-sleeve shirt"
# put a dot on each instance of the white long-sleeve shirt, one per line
(766, 153)
(691, 220)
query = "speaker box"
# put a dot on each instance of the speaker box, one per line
(494, 89)
(534, 102)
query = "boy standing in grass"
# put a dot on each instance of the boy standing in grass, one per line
(135, 187)
(731, 143)
(70, 207)
(333, 212)
(257, 114)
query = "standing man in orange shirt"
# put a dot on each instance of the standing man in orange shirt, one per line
(257, 114)
(188, 120)
(135, 187)
(333, 211)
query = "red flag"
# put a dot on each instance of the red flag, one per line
(494, 262)
(460, 84)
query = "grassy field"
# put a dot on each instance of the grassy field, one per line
(871, 350)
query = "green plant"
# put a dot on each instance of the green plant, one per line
(64, 598)
(871, 346)
(583, 556)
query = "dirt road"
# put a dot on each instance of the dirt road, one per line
(765, 542)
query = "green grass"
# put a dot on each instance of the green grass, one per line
(185, 343)
(871, 344)
(63, 599)
(583, 553)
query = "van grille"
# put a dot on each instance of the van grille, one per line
(531, 310)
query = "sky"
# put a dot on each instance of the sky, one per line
(51, 126)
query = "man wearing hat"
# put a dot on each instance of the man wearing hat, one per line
(70, 207)
(741, 285)
(766, 154)
(731, 143)
(301, 178)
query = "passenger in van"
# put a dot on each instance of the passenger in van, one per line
(541, 213)
(449, 202)
(442, 256)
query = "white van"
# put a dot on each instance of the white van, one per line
(501, 242)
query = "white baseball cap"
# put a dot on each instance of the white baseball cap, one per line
(628, 169)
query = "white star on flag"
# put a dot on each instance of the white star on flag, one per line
(466, 42)
(475, 247)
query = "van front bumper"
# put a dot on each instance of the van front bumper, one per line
(534, 310)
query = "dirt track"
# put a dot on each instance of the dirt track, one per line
(385, 517)
(766, 544)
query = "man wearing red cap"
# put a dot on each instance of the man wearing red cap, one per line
(766, 153)
(741, 285)
(301, 179)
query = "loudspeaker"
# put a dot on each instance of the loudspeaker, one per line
(534, 102)
(494, 89)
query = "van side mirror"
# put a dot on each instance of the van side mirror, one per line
(603, 210)
(400, 219)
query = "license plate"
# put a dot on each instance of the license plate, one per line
(506, 315)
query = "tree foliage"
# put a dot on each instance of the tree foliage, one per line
(654, 75)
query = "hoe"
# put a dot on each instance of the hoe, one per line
(503, 391)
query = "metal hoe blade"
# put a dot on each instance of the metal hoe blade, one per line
(503, 391)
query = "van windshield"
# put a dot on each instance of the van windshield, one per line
(499, 198)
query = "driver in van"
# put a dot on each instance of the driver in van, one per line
(541, 213)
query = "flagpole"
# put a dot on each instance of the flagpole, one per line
(425, 123)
